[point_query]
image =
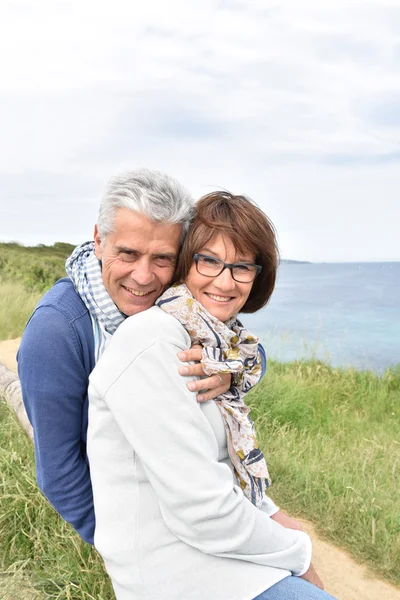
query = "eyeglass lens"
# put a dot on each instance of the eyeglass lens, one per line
(212, 267)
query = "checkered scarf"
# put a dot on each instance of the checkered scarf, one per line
(84, 270)
(227, 348)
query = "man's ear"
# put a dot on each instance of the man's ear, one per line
(97, 243)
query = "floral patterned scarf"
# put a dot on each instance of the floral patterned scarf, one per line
(227, 348)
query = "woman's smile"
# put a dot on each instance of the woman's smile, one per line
(219, 298)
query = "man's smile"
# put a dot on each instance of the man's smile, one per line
(136, 292)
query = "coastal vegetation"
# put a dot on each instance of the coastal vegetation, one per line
(331, 439)
(25, 273)
(35, 267)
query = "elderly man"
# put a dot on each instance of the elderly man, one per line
(143, 218)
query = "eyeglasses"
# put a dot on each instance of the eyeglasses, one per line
(212, 267)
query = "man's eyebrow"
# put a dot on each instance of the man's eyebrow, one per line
(126, 249)
(172, 255)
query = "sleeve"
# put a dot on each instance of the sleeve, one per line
(269, 506)
(177, 447)
(263, 359)
(54, 387)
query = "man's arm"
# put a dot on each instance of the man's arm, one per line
(263, 359)
(54, 387)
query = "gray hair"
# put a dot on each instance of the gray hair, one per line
(161, 198)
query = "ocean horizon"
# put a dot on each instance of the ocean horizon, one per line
(345, 314)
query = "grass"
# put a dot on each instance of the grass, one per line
(25, 273)
(41, 556)
(332, 442)
(35, 267)
(16, 306)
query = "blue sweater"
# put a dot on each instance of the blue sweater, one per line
(55, 359)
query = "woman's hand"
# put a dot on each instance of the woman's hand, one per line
(312, 576)
(283, 519)
(210, 387)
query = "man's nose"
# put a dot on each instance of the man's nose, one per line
(142, 272)
(225, 281)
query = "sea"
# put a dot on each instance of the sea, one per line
(346, 314)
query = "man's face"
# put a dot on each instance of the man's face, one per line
(138, 259)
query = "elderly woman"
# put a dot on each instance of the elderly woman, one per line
(179, 487)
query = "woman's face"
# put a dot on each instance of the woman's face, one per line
(222, 296)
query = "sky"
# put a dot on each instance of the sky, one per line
(293, 103)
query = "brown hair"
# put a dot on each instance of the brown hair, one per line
(249, 229)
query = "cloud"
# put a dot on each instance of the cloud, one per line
(366, 159)
(218, 93)
(385, 113)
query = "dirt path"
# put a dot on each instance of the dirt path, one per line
(8, 350)
(342, 576)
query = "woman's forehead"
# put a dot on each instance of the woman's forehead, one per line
(223, 246)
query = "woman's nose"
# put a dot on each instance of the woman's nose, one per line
(225, 280)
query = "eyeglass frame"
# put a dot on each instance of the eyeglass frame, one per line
(229, 266)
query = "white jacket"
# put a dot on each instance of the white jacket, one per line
(171, 521)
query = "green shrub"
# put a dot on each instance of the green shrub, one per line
(25, 274)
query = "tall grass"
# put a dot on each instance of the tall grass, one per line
(40, 555)
(332, 441)
(25, 273)
(16, 306)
